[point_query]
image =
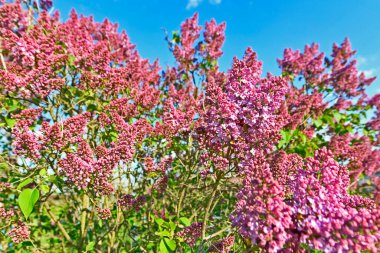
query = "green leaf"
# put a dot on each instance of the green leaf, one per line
(150, 246)
(170, 243)
(185, 221)
(176, 37)
(113, 135)
(91, 108)
(71, 60)
(337, 116)
(281, 143)
(159, 221)
(27, 199)
(328, 119)
(303, 138)
(172, 225)
(43, 172)
(163, 233)
(318, 122)
(44, 188)
(90, 246)
(23, 183)
(10, 122)
(163, 248)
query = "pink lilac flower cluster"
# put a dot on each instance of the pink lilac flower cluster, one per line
(5, 215)
(285, 201)
(300, 105)
(26, 142)
(320, 74)
(61, 134)
(312, 66)
(190, 52)
(213, 39)
(344, 74)
(34, 57)
(151, 167)
(283, 166)
(185, 52)
(83, 167)
(160, 185)
(191, 233)
(261, 214)
(104, 213)
(127, 201)
(242, 112)
(13, 17)
(20, 233)
(223, 246)
(138, 202)
(4, 186)
(45, 4)
(334, 83)
(317, 210)
(325, 220)
(180, 108)
(358, 152)
(77, 170)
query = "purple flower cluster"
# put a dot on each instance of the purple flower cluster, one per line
(127, 201)
(191, 233)
(223, 246)
(4, 215)
(262, 215)
(20, 233)
(316, 211)
(104, 214)
(242, 109)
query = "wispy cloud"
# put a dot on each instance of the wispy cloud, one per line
(370, 72)
(215, 1)
(361, 60)
(195, 3)
(365, 66)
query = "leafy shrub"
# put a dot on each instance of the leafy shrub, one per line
(102, 151)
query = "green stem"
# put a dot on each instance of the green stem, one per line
(61, 228)
(209, 204)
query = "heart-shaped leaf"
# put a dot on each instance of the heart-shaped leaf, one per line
(27, 199)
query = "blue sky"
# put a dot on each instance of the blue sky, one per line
(268, 26)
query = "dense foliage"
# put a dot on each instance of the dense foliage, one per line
(102, 151)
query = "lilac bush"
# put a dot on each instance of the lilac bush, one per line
(104, 151)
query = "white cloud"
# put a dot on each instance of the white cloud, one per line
(370, 72)
(361, 60)
(193, 4)
(215, 1)
(365, 65)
